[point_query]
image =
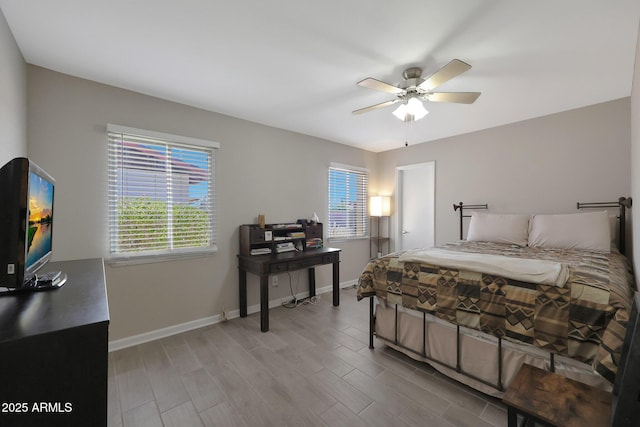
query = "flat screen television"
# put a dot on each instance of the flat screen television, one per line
(26, 227)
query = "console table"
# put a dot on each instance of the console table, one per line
(265, 265)
(54, 350)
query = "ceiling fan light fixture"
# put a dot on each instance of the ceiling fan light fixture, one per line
(411, 110)
(416, 109)
(401, 112)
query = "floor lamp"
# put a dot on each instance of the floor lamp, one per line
(379, 206)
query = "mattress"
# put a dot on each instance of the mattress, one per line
(584, 319)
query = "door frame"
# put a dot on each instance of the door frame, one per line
(398, 201)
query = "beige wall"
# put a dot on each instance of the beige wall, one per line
(259, 170)
(635, 157)
(13, 97)
(541, 165)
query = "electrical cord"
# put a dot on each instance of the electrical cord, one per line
(302, 301)
(295, 302)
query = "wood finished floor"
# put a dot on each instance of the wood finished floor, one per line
(313, 368)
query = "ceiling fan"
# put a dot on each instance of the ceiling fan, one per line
(414, 88)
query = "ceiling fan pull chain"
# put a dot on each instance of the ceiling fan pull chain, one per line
(408, 133)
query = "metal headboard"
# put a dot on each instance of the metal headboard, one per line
(462, 207)
(623, 204)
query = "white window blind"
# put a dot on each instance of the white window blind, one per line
(161, 194)
(348, 191)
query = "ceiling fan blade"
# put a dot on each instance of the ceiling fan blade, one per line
(375, 107)
(444, 74)
(372, 83)
(457, 97)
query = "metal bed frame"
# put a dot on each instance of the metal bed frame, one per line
(623, 203)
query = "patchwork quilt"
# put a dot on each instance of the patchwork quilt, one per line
(585, 319)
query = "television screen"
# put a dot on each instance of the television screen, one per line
(26, 227)
(40, 220)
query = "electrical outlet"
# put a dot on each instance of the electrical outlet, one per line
(274, 280)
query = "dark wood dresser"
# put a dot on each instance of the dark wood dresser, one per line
(54, 350)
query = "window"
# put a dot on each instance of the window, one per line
(161, 194)
(348, 190)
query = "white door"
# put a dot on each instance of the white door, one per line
(415, 205)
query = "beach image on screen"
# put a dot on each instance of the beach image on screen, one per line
(40, 218)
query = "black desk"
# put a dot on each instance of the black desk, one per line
(54, 351)
(265, 265)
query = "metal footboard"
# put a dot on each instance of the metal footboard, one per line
(498, 385)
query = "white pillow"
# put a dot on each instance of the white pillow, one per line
(588, 231)
(500, 228)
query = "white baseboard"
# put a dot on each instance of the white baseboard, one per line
(211, 320)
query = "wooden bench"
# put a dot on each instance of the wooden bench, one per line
(555, 400)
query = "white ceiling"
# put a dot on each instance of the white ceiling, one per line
(294, 64)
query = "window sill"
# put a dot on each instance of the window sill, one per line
(346, 239)
(121, 261)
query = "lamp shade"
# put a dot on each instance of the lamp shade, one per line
(401, 112)
(416, 109)
(380, 206)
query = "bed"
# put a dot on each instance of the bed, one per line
(548, 290)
